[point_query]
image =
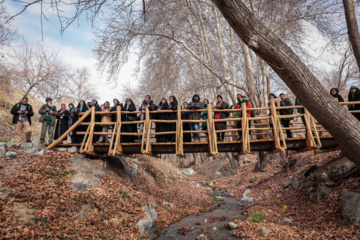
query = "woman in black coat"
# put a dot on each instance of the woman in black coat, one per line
(173, 116)
(354, 96)
(81, 107)
(113, 109)
(127, 116)
(162, 127)
(335, 93)
(62, 124)
(186, 126)
(221, 104)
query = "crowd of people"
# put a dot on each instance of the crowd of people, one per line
(56, 122)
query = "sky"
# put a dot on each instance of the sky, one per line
(74, 46)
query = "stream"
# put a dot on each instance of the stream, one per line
(230, 208)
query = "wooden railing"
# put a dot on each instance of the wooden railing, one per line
(263, 128)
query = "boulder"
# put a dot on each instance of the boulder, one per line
(264, 231)
(350, 207)
(87, 184)
(72, 149)
(322, 180)
(2, 150)
(37, 145)
(150, 212)
(26, 145)
(32, 150)
(148, 227)
(10, 154)
(188, 171)
(10, 144)
(232, 225)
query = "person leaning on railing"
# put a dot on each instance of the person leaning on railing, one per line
(335, 93)
(195, 104)
(173, 116)
(354, 96)
(127, 116)
(221, 104)
(243, 99)
(105, 118)
(161, 126)
(285, 102)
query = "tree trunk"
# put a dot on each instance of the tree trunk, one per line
(340, 123)
(352, 26)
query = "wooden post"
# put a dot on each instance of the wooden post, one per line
(115, 130)
(310, 142)
(244, 129)
(77, 123)
(147, 129)
(319, 145)
(274, 122)
(179, 135)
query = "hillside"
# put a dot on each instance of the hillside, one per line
(8, 97)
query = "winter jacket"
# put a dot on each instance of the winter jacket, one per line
(354, 97)
(16, 108)
(248, 105)
(298, 103)
(286, 103)
(337, 95)
(42, 112)
(143, 107)
(106, 117)
(197, 105)
(173, 106)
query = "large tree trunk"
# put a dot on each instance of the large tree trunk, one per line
(352, 26)
(340, 123)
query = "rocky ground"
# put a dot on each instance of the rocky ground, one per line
(61, 194)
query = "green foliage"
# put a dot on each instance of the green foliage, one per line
(214, 199)
(257, 218)
(141, 238)
(44, 221)
(59, 173)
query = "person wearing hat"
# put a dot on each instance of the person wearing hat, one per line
(195, 104)
(354, 96)
(47, 118)
(22, 113)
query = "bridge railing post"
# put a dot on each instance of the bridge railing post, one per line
(179, 133)
(244, 128)
(147, 131)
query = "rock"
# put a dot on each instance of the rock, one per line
(2, 150)
(232, 194)
(245, 199)
(61, 149)
(37, 145)
(49, 151)
(214, 229)
(288, 220)
(2, 144)
(264, 231)
(10, 144)
(350, 207)
(150, 212)
(41, 153)
(10, 154)
(188, 171)
(217, 174)
(289, 182)
(136, 166)
(167, 204)
(233, 225)
(148, 227)
(295, 185)
(26, 145)
(32, 150)
(134, 172)
(87, 184)
(73, 149)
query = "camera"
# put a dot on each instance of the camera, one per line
(23, 112)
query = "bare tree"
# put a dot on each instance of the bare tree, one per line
(38, 71)
(80, 86)
(353, 29)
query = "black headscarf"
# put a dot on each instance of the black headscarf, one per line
(197, 96)
(271, 94)
(174, 104)
(131, 106)
(85, 107)
(354, 96)
(337, 95)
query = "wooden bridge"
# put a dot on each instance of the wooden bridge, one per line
(266, 135)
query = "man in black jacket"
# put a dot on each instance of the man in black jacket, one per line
(22, 112)
(286, 121)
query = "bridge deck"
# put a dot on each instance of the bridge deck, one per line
(265, 134)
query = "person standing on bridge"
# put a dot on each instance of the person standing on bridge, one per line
(335, 93)
(186, 126)
(105, 118)
(47, 118)
(127, 116)
(22, 113)
(173, 116)
(146, 103)
(195, 104)
(243, 99)
(113, 109)
(204, 115)
(160, 126)
(354, 96)
(221, 104)
(285, 102)
(97, 128)
(81, 108)
(62, 124)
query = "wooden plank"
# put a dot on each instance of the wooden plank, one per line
(274, 123)
(245, 131)
(84, 139)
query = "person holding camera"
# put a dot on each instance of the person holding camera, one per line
(22, 113)
(47, 118)
(62, 124)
